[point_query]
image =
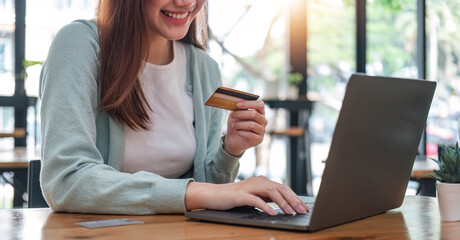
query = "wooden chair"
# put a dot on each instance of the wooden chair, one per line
(18, 133)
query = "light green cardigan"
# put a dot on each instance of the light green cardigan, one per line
(83, 148)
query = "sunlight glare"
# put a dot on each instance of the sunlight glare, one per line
(249, 34)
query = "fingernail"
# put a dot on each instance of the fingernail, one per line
(273, 212)
(301, 209)
(289, 210)
(241, 104)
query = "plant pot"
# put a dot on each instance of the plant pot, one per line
(271, 89)
(448, 196)
(292, 92)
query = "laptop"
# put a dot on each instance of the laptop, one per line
(370, 158)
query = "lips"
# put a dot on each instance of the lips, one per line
(176, 15)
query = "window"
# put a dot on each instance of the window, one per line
(248, 41)
(2, 57)
(3, 3)
(7, 16)
(443, 64)
(391, 38)
(331, 60)
(40, 31)
(39, 34)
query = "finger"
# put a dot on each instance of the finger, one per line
(293, 200)
(276, 197)
(258, 105)
(249, 126)
(261, 204)
(250, 115)
(301, 202)
(251, 137)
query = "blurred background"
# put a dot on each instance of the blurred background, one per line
(297, 51)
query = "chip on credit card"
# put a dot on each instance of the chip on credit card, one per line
(227, 98)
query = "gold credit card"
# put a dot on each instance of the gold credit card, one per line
(227, 98)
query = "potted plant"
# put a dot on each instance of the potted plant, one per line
(294, 80)
(448, 182)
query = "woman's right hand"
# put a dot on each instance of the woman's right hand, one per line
(255, 191)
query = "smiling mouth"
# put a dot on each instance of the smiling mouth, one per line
(175, 15)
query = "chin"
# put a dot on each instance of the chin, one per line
(175, 37)
(177, 33)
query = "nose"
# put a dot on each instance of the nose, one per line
(185, 3)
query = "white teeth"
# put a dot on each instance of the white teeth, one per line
(176, 16)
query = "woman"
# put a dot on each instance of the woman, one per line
(124, 127)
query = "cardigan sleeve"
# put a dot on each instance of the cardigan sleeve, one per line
(212, 163)
(221, 167)
(74, 177)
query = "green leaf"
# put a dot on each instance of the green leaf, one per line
(449, 160)
(437, 162)
(434, 175)
(457, 150)
(28, 63)
(456, 179)
(446, 177)
(447, 154)
(294, 79)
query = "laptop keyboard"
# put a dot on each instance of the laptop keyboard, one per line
(284, 218)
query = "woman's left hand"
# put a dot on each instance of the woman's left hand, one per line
(245, 127)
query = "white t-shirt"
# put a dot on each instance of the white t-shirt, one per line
(169, 146)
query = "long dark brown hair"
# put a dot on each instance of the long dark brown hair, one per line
(123, 41)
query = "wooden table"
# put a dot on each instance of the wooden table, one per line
(17, 162)
(422, 167)
(418, 218)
